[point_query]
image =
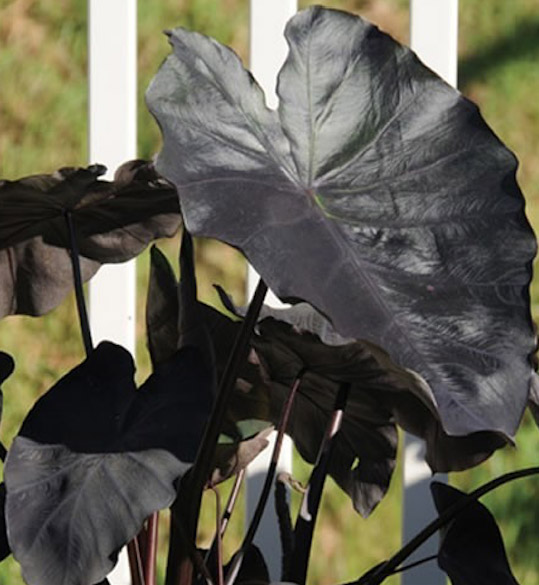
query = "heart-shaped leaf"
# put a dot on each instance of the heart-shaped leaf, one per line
(114, 222)
(95, 457)
(471, 546)
(376, 192)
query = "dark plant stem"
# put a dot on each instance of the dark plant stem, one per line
(415, 564)
(388, 568)
(218, 536)
(150, 549)
(232, 499)
(135, 563)
(268, 482)
(186, 508)
(227, 514)
(79, 291)
(305, 523)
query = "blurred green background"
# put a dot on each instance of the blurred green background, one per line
(43, 124)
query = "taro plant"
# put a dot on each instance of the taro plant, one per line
(378, 202)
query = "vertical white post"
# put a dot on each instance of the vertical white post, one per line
(434, 37)
(268, 50)
(112, 74)
(112, 141)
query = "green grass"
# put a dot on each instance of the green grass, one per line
(43, 126)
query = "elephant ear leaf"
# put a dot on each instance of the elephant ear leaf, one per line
(471, 546)
(113, 222)
(95, 457)
(376, 193)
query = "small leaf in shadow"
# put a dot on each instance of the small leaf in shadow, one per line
(95, 457)
(114, 221)
(231, 458)
(471, 546)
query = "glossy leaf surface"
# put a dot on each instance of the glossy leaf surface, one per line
(375, 192)
(95, 457)
(114, 221)
(471, 547)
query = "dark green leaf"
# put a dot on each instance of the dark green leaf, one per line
(114, 222)
(471, 547)
(376, 192)
(95, 457)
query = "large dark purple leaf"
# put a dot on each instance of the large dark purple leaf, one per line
(95, 457)
(114, 222)
(376, 192)
(471, 546)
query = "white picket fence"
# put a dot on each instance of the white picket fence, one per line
(112, 140)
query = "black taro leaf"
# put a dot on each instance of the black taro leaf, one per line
(95, 457)
(409, 398)
(375, 192)
(471, 547)
(364, 453)
(382, 394)
(114, 222)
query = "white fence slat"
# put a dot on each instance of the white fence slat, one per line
(112, 140)
(268, 50)
(434, 37)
